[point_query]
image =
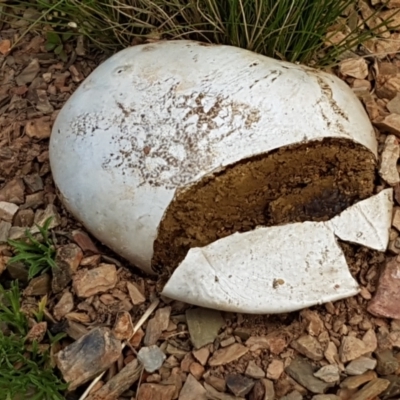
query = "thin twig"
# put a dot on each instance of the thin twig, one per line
(138, 325)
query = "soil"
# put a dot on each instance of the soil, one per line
(313, 181)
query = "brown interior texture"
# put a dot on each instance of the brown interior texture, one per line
(313, 181)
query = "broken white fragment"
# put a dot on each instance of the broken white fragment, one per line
(280, 269)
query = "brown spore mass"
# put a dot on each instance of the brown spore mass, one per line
(306, 182)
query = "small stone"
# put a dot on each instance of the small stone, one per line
(135, 294)
(192, 390)
(88, 356)
(42, 216)
(227, 342)
(315, 324)
(197, 370)
(39, 286)
(354, 67)
(5, 228)
(83, 240)
(353, 382)
(254, 371)
(258, 392)
(136, 339)
(204, 325)
(390, 155)
(228, 354)
(202, 355)
(157, 325)
(390, 124)
(328, 374)
(295, 395)
(5, 46)
(18, 271)
(351, 348)
(243, 333)
(309, 346)
(386, 301)
(33, 182)
(153, 391)
(13, 191)
(302, 372)
(387, 363)
(28, 74)
(39, 128)
(275, 369)
(275, 342)
(33, 201)
(217, 383)
(151, 357)
(186, 362)
(269, 389)
(239, 385)
(213, 394)
(67, 259)
(24, 218)
(370, 340)
(393, 390)
(42, 102)
(175, 351)
(87, 283)
(3, 263)
(371, 390)
(325, 397)
(394, 105)
(7, 211)
(360, 365)
(123, 327)
(64, 306)
(37, 332)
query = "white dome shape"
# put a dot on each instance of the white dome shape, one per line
(173, 145)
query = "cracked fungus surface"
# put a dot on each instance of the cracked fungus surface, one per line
(307, 182)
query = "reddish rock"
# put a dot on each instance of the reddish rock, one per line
(83, 240)
(153, 391)
(13, 191)
(386, 301)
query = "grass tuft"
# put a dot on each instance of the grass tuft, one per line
(38, 255)
(292, 30)
(26, 371)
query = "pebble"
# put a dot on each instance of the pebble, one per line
(7, 211)
(275, 369)
(13, 191)
(88, 356)
(217, 383)
(360, 365)
(123, 327)
(197, 370)
(302, 372)
(387, 363)
(192, 390)
(390, 155)
(158, 324)
(239, 385)
(154, 391)
(351, 348)
(354, 67)
(254, 371)
(371, 390)
(68, 258)
(5, 228)
(39, 286)
(386, 301)
(202, 355)
(88, 282)
(353, 382)
(370, 340)
(227, 355)
(135, 294)
(64, 306)
(213, 394)
(269, 389)
(151, 357)
(295, 395)
(329, 374)
(204, 325)
(309, 347)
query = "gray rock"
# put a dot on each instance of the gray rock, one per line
(302, 372)
(387, 364)
(239, 385)
(204, 325)
(309, 346)
(329, 374)
(192, 390)
(152, 358)
(254, 371)
(360, 365)
(295, 395)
